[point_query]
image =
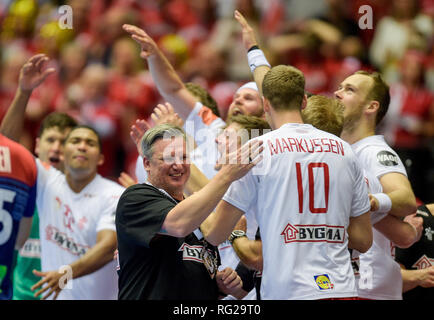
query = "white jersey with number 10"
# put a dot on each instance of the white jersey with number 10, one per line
(305, 190)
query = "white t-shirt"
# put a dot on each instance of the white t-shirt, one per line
(69, 223)
(380, 275)
(309, 186)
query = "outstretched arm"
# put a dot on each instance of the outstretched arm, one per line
(165, 77)
(249, 41)
(32, 74)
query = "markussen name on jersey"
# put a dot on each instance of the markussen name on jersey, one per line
(290, 144)
(31, 249)
(61, 239)
(191, 252)
(313, 233)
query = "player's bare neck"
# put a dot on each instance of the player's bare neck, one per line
(79, 183)
(283, 117)
(356, 133)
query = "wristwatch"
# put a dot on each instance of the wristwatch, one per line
(236, 234)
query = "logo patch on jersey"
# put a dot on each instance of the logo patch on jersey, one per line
(63, 241)
(31, 249)
(191, 252)
(323, 282)
(313, 233)
(423, 263)
(387, 158)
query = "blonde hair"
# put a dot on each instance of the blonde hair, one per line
(283, 86)
(324, 113)
(250, 123)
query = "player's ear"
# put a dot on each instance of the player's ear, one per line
(146, 163)
(266, 104)
(304, 103)
(372, 108)
(101, 159)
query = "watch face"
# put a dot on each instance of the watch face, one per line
(238, 233)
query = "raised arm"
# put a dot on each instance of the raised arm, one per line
(170, 86)
(249, 41)
(32, 74)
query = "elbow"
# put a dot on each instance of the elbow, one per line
(406, 240)
(409, 207)
(178, 232)
(175, 228)
(364, 246)
(412, 207)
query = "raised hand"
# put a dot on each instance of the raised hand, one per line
(126, 180)
(249, 39)
(243, 159)
(164, 113)
(32, 73)
(147, 44)
(137, 131)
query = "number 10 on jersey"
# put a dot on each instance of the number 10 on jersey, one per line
(311, 184)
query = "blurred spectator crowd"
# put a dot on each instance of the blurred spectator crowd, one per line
(103, 82)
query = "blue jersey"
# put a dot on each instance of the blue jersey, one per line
(17, 200)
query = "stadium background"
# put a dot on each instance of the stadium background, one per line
(101, 80)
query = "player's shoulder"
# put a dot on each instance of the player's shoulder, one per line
(17, 162)
(376, 150)
(372, 143)
(16, 151)
(108, 184)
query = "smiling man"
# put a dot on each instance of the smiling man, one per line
(162, 254)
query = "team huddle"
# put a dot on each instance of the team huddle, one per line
(293, 197)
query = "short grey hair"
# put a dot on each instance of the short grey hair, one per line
(162, 131)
